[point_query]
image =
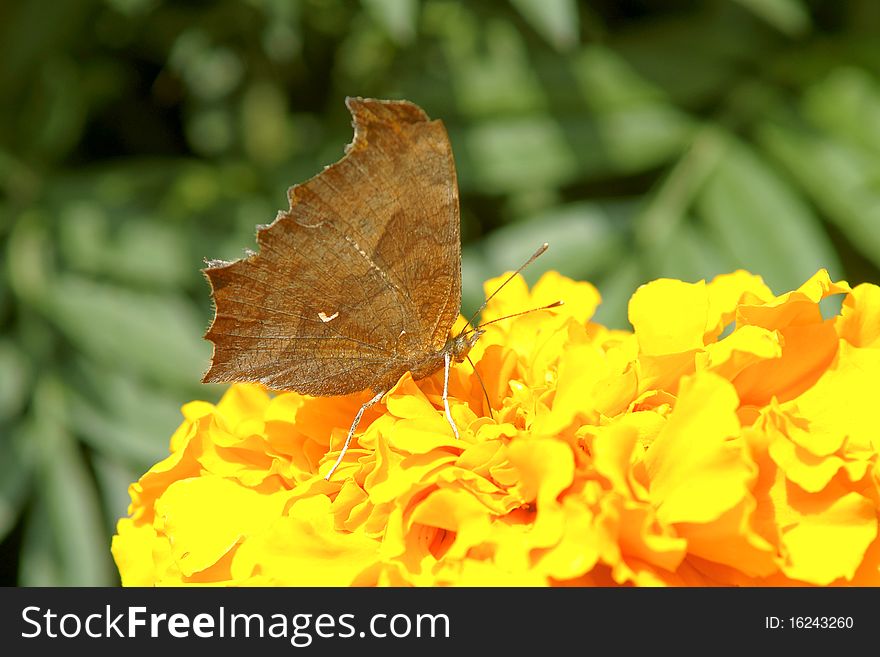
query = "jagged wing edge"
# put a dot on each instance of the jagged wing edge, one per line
(361, 119)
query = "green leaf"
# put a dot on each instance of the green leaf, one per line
(397, 17)
(38, 561)
(841, 179)
(510, 153)
(16, 466)
(28, 257)
(211, 72)
(28, 38)
(265, 128)
(119, 416)
(498, 78)
(556, 20)
(14, 380)
(616, 289)
(158, 336)
(639, 138)
(17, 181)
(787, 16)
(691, 255)
(474, 271)
(114, 479)
(608, 83)
(846, 106)
(668, 206)
(692, 55)
(141, 250)
(145, 252)
(764, 226)
(53, 126)
(73, 509)
(584, 239)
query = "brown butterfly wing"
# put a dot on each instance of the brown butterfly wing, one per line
(360, 277)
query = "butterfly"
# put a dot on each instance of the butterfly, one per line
(359, 281)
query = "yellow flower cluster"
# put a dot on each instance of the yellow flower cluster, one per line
(731, 438)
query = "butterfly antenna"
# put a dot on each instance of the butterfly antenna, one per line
(507, 280)
(555, 304)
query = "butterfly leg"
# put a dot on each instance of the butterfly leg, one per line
(446, 361)
(357, 419)
(483, 386)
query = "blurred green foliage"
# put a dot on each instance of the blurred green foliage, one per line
(641, 138)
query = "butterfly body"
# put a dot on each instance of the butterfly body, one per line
(457, 347)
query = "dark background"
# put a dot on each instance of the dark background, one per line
(641, 138)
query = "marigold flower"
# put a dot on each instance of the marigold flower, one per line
(730, 438)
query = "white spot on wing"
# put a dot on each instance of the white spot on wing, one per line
(328, 318)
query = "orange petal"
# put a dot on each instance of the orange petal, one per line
(454, 510)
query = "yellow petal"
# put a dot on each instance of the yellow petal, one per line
(304, 549)
(406, 400)
(481, 456)
(513, 298)
(351, 507)
(546, 468)
(192, 412)
(473, 572)
(641, 537)
(741, 349)
(829, 540)
(132, 550)
(588, 385)
(810, 472)
(663, 456)
(580, 299)
(242, 402)
(410, 471)
(669, 316)
(726, 292)
(577, 551)
(859, 320)
(820, 285)
(665, 371)
(695, 472)
(206, 517)
(612, 451)
(498, 500)
(842, 405)
(178, 465)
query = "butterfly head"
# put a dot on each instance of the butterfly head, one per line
(459, 345)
